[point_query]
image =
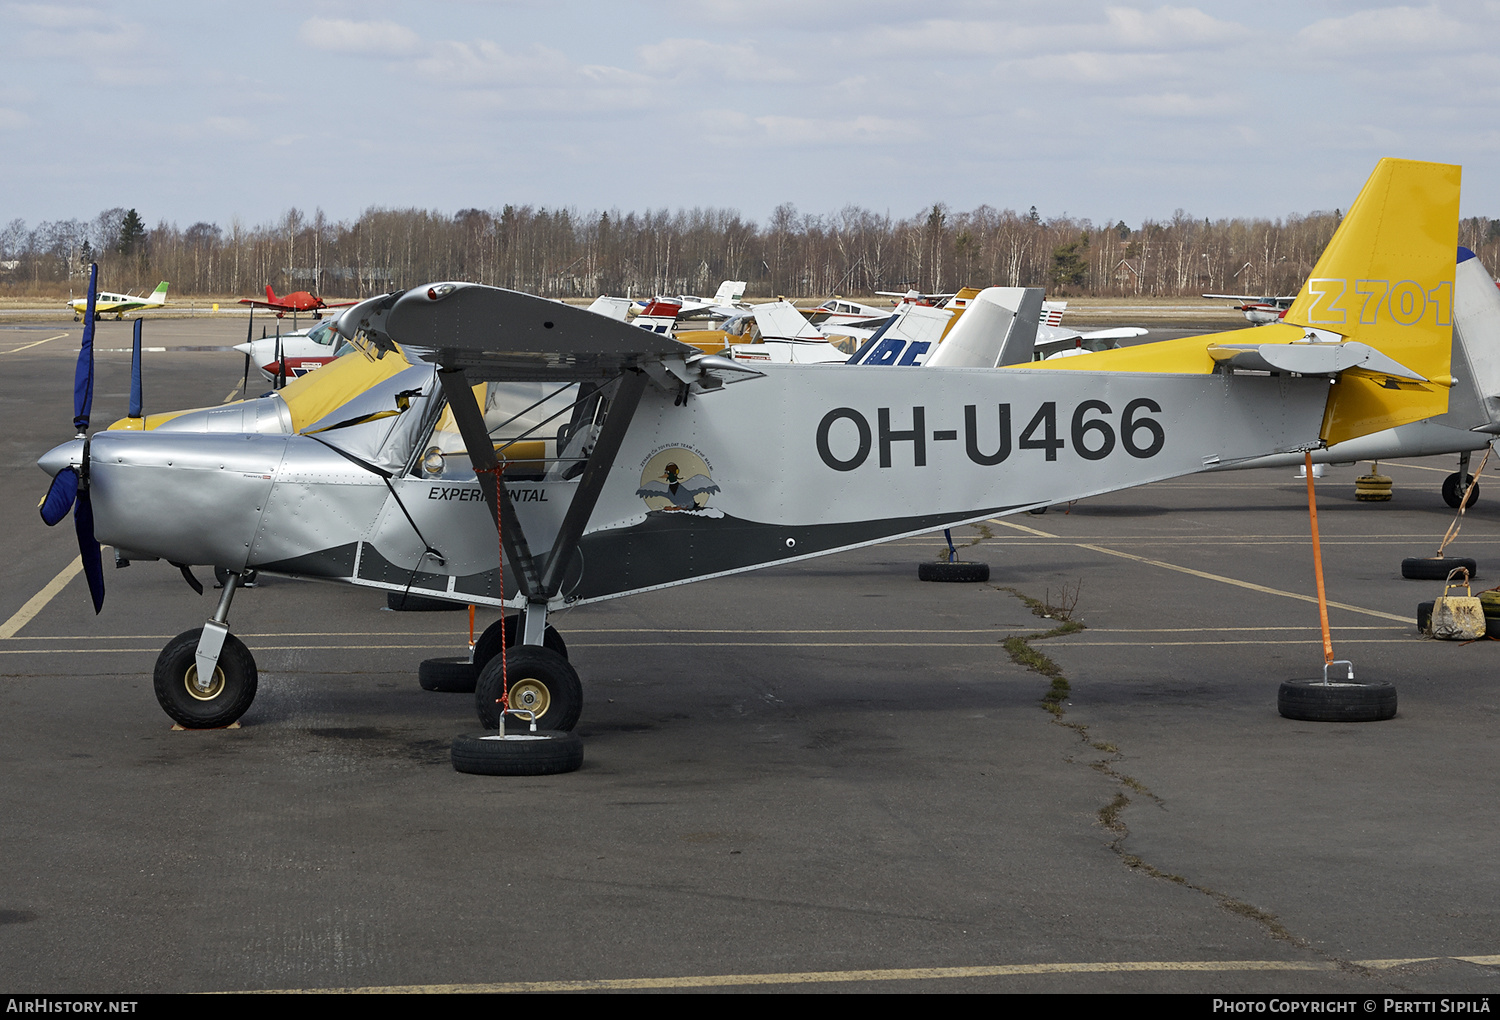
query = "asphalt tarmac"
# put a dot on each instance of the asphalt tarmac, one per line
(822, 777)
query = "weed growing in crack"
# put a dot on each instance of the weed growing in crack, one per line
(984, 532)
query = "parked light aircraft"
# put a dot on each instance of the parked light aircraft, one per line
(795, 460)
(296, 302)
(300, 351)
(1258, 309)
(106, 303)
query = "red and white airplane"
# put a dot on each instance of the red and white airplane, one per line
(296, 302)
(302, 351)
(1259, 309)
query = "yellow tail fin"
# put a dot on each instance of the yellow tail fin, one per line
(1386, 279)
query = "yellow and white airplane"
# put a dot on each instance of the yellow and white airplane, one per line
(117, 305)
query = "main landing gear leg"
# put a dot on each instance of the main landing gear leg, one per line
(530, 676)
(206, 678)
(215, 630)
(1456, 484)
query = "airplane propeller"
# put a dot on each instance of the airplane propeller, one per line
(70, 486)
(249, 339)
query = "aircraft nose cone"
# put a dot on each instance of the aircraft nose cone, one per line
(69, 454)
(245, 348)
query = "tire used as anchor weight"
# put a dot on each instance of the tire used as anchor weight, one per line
(227, 696)
(942, 570)
(490, 642)
(540, 680)
(1336, 701)
(451, 674)
(543, 753)
(1436, 568)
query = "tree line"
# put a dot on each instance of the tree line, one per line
(562, 253)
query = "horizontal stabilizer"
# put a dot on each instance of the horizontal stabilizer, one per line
(1310, 359)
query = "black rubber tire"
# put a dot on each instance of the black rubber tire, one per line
(1436, 568)
(543, 753)
(1453, 490)
(1339, 701)
(452, 675)
(1037, 511)
(1424, 616)
(538, 677)
(488, 646)
(176, 667)
(411, 602)
(960, 571)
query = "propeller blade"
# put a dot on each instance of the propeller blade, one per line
(135, 372)
(249, 339)
(60, 497)
(88, 548)
(83, 375)
(280, 360)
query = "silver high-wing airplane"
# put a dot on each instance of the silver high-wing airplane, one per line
(670, 466)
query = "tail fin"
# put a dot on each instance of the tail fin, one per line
(159, 295)
(730, 292)
(998, 328)
(780, 320)
(270, 294)
(1386, 279)
(1476, 316)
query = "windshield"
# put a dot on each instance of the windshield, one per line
(323, 333)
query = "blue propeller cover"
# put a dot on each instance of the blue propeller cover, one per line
(60, 496)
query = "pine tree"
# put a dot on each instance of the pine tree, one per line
(132, 233)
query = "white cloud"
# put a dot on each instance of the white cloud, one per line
(57, 17)
(376, 37)
(862, 130)
(1169, 28)
(1405, 30)
(1180, 104)
(739, 61)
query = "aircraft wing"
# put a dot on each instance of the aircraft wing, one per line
(492, 333)
(1258, 298)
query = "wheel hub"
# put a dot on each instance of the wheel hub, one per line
(532, 695)
(215, 688)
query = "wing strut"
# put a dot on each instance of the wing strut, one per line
(470, 422)
(539, 580)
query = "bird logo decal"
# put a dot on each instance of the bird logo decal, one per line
(676, 479)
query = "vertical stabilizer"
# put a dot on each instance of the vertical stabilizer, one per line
(730, 292)
(998, 327)
(1476, 321)
(159, 295)
(1386, 279)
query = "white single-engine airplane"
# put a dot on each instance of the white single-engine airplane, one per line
(675, 466)
(289, 355)
(106, 303)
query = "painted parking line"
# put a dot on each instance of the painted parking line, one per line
(902, 974)
(27, 347)
(1220, 578)
(35, 604)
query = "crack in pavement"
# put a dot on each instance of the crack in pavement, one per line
(1110, 815)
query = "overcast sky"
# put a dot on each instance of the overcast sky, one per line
(1111, 111)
